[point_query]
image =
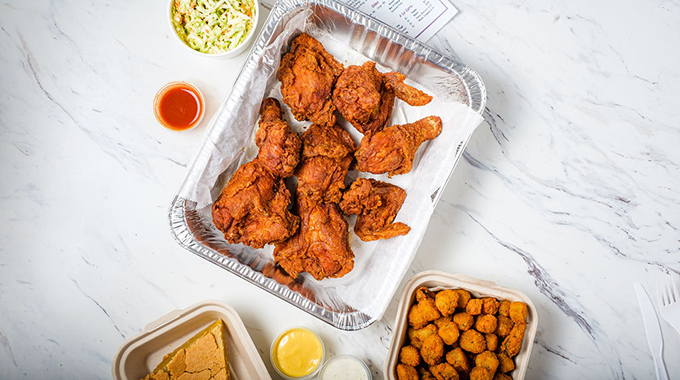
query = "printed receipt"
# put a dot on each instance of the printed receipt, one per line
(419, 19)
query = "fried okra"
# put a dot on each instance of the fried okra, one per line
(464, 321)
(444, 371)
(417, 336)
(504, 325)
(446, 301)
(409, 355)
(458, 360)
(518, 312)
(491, 342)
(439, 322)
(423, 312)
(474, 306)
(513, 342)
(490, 305)
(486, 323)
(481, 373)
(449, 332)
(426, 375)
(472, 341)
(463, 297)
(504, 308)
(488, 360)
(432, 350)
(406, 372)
(505, 363)
(459, 336)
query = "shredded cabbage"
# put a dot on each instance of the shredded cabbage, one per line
(213, 26)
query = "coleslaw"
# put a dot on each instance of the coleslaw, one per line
(213, 26)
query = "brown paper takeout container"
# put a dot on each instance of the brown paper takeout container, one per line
(139, 355)
(436, 280)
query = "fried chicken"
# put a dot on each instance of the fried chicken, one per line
(365, 96)
(412, 96)
(321, 245)
(376, 203)
(323, 179)
(327, 153)
(393, 149)
(307, 74)
(279, 146)
(333, 142)
(253, 208)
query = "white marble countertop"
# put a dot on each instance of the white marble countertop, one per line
(569, 191)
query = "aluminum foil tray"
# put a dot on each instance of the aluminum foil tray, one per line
(192, 225)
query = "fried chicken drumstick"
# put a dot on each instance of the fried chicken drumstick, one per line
(253, 208)
(393, 149)
(307, 74)
(365, 96)
(279, 146)
(376, 203)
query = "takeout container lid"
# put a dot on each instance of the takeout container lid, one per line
(139, 355)
(227, 54)
(478, 288)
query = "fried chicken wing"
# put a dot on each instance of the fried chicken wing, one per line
(307, 74)
(327, 154)
(393, 149)
(321, 245)
(279, 146)
(376, 203)
(253, 208)
(412, 96)
(365, 96)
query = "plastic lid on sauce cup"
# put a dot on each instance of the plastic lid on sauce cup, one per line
(179, 106)
(297, 354)
(345, 367)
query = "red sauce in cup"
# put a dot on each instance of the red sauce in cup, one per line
(179, 106)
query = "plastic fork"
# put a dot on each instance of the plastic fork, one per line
(669, 302)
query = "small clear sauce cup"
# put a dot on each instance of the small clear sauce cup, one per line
(274, 353)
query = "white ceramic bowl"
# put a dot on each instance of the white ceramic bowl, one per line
(227, 54)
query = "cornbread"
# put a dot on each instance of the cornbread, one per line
(203, 357)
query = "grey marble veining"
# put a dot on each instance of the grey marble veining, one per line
(569, 191)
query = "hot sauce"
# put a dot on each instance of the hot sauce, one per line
(179, 106)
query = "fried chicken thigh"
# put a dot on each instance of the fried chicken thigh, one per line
(307, 74)
(321, 245)
(279, 146)
(327, 153)
(376, 203)
(253, 208)
(365, 96)
(393, 149)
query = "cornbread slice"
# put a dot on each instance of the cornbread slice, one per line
(203, 357)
